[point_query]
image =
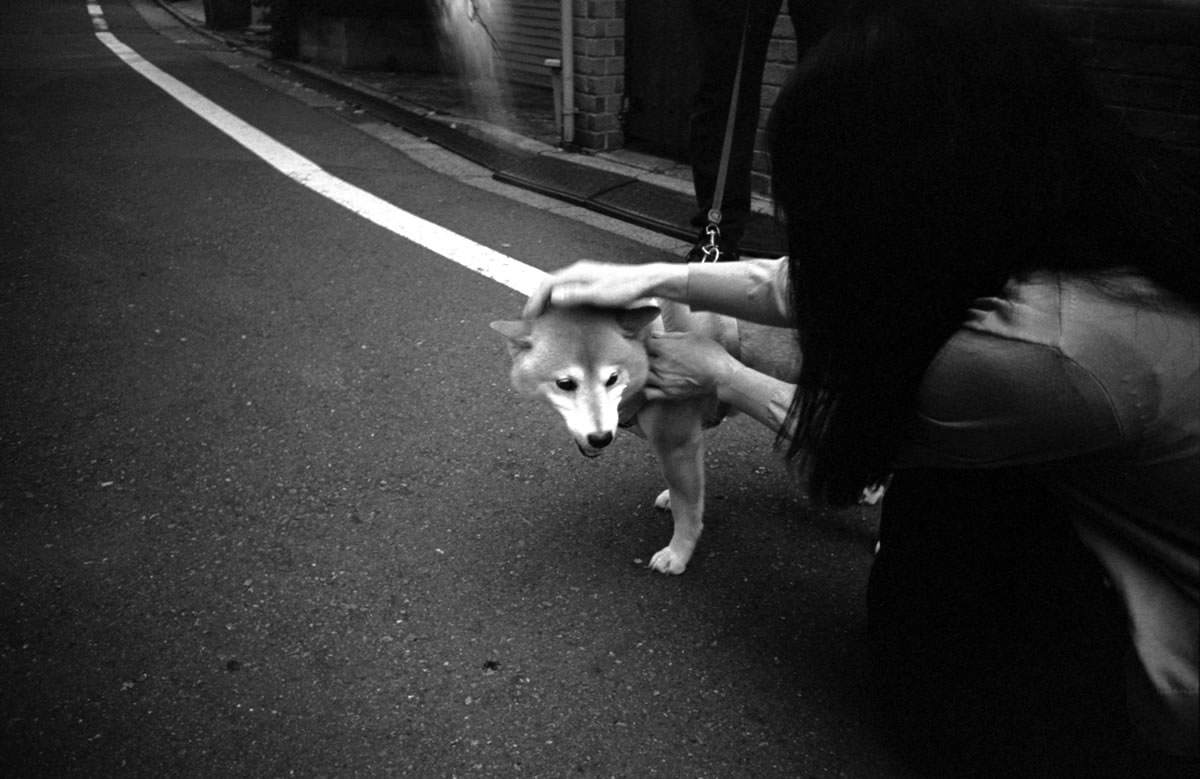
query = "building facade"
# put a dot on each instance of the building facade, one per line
(635, 68)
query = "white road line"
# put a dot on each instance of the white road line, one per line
(512, 273)
(97, 14)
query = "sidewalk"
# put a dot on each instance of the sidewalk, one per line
(642, 189)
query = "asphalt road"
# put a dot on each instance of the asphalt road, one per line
(269, 508)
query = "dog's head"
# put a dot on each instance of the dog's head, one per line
(583, 362)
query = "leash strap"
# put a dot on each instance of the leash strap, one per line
(711, 252)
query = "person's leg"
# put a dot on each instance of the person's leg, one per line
(995, 639)
(811, 19)
(1154, 570)
(719, 25)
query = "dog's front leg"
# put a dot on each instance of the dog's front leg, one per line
(676, 435)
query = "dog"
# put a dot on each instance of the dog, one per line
(590, 365)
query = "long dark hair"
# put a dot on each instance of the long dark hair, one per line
(924, 153)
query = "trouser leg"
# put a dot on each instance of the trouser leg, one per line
(811, 19)
(994, 637)
(719, 25)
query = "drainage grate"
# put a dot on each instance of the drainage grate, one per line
(552, 175)
(656, 208)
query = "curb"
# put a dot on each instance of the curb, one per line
(547, 170)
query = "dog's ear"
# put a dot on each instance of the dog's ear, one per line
(517, 332)
(634, 320)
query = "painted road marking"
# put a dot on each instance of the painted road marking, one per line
(97, 14)
(511, 273)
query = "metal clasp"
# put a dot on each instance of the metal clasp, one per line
(711, 252)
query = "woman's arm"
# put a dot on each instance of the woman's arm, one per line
(759, 396)
(685, 365)
(754, 290)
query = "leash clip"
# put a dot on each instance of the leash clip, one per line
(710, 252)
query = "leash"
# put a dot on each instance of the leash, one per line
(711, 252)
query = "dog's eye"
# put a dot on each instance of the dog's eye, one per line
(612, 380)
(567, 385)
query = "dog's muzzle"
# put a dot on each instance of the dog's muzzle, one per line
(595, 444)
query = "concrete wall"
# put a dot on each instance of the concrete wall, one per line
(368, 43)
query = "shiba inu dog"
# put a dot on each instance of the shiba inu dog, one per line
(590, 365)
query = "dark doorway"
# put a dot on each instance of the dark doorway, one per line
(661, 74)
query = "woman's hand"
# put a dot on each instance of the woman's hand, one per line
(607, 285)
(685, 365)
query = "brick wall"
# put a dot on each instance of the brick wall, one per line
(781, 57)
(1143, 54)
(1145, 58)
(599, 73)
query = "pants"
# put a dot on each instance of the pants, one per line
(719, 25)
(996, 643)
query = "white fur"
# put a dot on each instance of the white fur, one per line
(585, 363)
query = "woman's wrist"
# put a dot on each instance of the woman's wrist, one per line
(761, 397)
(725, 378)
(669, 281)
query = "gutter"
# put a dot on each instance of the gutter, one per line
(568, 72)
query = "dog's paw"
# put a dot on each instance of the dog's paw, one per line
(667, 561)
(663, 502)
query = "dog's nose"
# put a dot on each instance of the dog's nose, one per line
(599, 440)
